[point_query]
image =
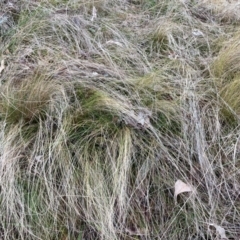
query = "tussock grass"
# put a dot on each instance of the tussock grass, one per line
(165, 34)
(27, 100)
(223, 10)
(226, 65)
(225, 69)
(101, 115)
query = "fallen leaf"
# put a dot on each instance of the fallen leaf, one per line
(139, 120)
(181, 187)
(2, 66)
(39, 158)
(114, 42)
(220, 230)
(197, 33)
(94, 74)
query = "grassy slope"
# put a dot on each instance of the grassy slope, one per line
(101, 116)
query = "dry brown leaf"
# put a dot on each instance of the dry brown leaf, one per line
(39, 158)
(197, 33)
(114, 42)
(220, 230)
(139, 120)
(181, 187)
(2, 67)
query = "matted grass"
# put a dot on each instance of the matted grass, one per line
(104, 105)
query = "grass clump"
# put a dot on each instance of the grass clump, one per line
(230, 97)
(226, 71)
(104, 107)
(226, 65)
(26, 100)
(223, 11)
(165, 35)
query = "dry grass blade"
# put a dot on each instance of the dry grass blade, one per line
(103, 103)
(2, 67)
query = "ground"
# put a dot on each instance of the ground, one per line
(119, 119)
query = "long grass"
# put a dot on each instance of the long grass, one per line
(104, 105)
